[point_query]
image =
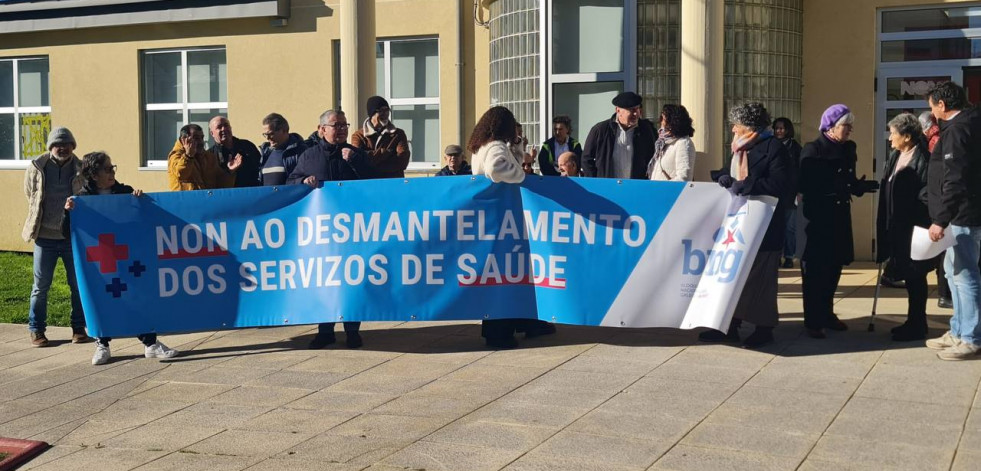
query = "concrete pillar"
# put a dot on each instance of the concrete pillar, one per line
(357, 57)
(702, 49)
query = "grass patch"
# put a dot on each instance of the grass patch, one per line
(15, 291)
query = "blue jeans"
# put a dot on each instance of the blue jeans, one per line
(790, 233)
(46, 255)
(964, 277)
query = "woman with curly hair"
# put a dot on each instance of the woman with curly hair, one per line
(496, 157)
(674, 152)
(99, 175)
(760, 167)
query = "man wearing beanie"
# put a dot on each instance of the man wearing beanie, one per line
(621, 146)
(49, 181)
(387, 146)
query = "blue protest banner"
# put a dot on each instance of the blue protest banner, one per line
(418, 249)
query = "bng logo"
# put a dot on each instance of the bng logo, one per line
(724, 258)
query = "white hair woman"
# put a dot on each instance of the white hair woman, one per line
(827, 185)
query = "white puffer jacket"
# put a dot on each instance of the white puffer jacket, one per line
(498, 162)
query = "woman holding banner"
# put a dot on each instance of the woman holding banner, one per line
(492, 146)
(760, 167)
(99, 175)
(902, 206)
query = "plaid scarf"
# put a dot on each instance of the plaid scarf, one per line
(740, 152)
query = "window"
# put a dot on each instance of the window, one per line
(25, 109)
(180, 87)
(592, 58)
(407, 75)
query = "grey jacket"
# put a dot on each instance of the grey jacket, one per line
(34, 190)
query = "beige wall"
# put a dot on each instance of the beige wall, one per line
(95, 79)
(840, 41)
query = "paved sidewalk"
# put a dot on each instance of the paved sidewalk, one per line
(429, 396)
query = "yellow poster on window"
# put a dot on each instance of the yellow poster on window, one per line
(34, 129)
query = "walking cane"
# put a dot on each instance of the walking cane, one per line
(875, 300)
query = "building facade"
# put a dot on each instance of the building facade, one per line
(126, 75)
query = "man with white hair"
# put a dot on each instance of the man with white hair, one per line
(49, 181)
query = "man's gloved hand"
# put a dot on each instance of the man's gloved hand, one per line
(726, 181)
(737, 187)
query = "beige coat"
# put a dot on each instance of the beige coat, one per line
(677, 163)
(498, 162)
(34, 190)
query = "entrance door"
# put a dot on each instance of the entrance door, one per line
(904, 89)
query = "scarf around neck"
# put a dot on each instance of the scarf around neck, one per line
(740, 152)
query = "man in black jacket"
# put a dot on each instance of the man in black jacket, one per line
(227, 147)
(560, 143)
(622, 146)
(332, 159)
(953, 179)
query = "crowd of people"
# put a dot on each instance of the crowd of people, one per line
(929, 180)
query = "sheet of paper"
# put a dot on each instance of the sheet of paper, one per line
(922, 248)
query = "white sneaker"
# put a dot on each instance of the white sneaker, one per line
(943, 342)
(159, 350)
(102, 355)
(961, 351)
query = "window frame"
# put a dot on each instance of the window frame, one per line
(627, 76)
(185, 107)
(19, 162)
(423, 101)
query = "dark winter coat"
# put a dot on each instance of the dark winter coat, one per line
(769, 175)
(325, 162)
(597, 155)
(902, 205)
(387, 149)
(793, 151)
(955, 172)
(248, 173)
(464, 170)
(294, 147)
(548, 161)
(116, 189)
(827, 183)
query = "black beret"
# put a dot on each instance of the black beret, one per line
(627, 100)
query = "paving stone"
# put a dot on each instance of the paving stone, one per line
(568, 397)
(572, 379)
(340, 365)
(642, 403)
(966, 460)
(660, 427)
(655, 389)
(248, 443)
(496, 374)
(548, 357)
(296, 420)
(920, 384)
(867, 451)
(536, 461)
(260, 396)
(493, 435)
(619, 451)
(83, 433)
(917, 424)
(133, 412)
(811, 464)
(415, 368)
(160, 437)
(432, 456)
(342, 401)
(394, 426)
(378, 384)
(672, 371)
(507, 411)
(788, 400)
(108, 459)
(209, 414)
(49, 455)
(685, 457)
(221, 374)
(443, 406)
(351, 449)
(293, 464)
(194, 392)
(197, 462)
(783, 376)
(740, 438)
(797, 419)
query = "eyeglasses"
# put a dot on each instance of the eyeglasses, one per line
(338, 125)
(269, 135)
(109, 168)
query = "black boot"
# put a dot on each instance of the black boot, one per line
(760, 337)
(716, 336)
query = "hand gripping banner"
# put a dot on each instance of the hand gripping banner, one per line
(567, 250)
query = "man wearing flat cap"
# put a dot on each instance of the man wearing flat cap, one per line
(621, 146)
(455, 164)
